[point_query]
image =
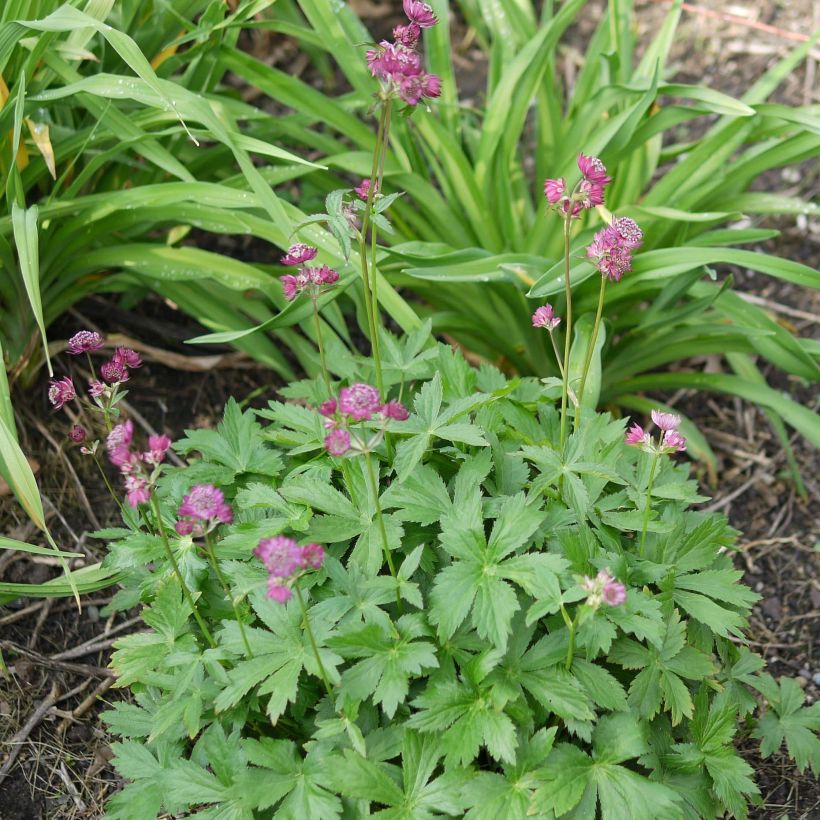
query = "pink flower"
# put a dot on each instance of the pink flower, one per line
(77, 434)
(113, 372)
(554, 190)
(290, 287)
(312, 556)
(363, 189)
(281, 556)
(392, 62)
(592, 194)
(636, 435)
(603, 588)
(184, 527)
(84, 342)
(593, 170)
(327, 408)
(61, 392)
(157, 448)
(359, 401)
(96, 388)
(298, 254)
(136, 490)
(321, 276)
(121, 436)
(412, 89)
(127, 357)
(613, 592)
(121, 457)
(419, 13)
(545, 317)
(206, 503)
(629, 231)
(277, 592)
(407, 36)
(674, 441)
(610, 254)
(337, 442)
(665, 421)
(395, 410)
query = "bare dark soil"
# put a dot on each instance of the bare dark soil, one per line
(56, 654)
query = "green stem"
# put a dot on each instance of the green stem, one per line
(648, 507)
(567, 330)
(107, 483)
(571, 624)
(374, 486)
(312, 640)
(321, 346)
(371, 301)
(557, 356)
(590, 349)
(172, 558)
(209, 548)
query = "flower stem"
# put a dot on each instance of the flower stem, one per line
(170, 555)
(568, 331)
(648, 507)
(321, 346)
(371, 300)
(209, 548)
(571, 624)
(590, 349)
(374, 486)
(107, 483)
(312, 640)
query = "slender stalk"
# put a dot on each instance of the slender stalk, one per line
(320, 344)
(209, 548)
(568, 331)
(648, 507)
(172, 558)
(375, 187)
(374, 487)
(557, 355)
(312, 640)
(105, 479)
(590, 349)
(368, 281)
(571, 624)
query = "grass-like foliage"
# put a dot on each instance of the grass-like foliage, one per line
(487, 677)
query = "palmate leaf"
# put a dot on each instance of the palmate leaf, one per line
(478, 579)
(303, 784)
(236, 443)
(572, 779)
(411, 792)
(787, 720)
(391, 655)
(467, 718)
(662, 671)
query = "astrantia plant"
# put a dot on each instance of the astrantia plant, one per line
(439, 595)
(539, 658)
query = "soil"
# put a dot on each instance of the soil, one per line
(62, 770)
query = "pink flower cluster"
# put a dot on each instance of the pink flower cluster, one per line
(363, 189)
(611, 248)
(588, 193)
(669, 439)
(113, 372)
(603, 588)
(202, 509)
(285, 560)
(137, 468)
(310, 280)
(545, 317)
(398, 63)
(359, 402)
